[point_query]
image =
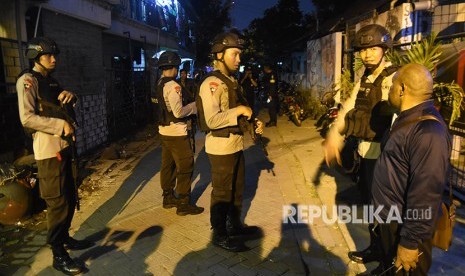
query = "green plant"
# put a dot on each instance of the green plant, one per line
(312, 105)
(427, 53)
(447, 95)
(346, 85)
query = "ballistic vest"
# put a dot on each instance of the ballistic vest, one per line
(371, 116)
(236, 98)
(165, 116)
(47, 101)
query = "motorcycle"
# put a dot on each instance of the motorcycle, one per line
(326, 121)
(290, 103)
(19, 190)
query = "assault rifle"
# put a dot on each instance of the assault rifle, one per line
(191, 130)
(74, 167)
(258, 137)
(250, 127)
(66, 112)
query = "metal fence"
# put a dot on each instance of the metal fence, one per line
(128, 101)
(458, 158)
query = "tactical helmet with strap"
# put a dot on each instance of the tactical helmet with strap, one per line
(41, 46)
(372, 35)
(221, 43)
(169, 59)
(226, 40)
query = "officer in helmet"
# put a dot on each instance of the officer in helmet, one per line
(177, 163)
(270, 86)
(44, 109)
(367, 115)
(222, 111)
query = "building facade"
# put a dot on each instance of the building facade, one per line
(108, 55)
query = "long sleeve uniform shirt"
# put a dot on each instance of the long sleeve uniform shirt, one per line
(173, 100)
(47, 138)
(411, 172)
(218, 114)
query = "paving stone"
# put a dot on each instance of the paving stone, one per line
(136, 236)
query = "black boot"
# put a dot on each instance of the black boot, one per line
(73, 244)
(169, 200)
(270, 124)
(222, 240)
(218, 214)
(369, 254)
(63, 262)
(235, 226)
(185, 208)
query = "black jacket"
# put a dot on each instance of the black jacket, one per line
(412, 171)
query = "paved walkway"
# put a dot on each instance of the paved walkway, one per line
(136, 236)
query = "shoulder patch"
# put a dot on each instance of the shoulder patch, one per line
(177, 88)
(213, 86)
(27, 84)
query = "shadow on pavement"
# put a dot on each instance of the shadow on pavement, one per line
(297, 253)
(347, 194)
(255, 163)
(107, 240)
(202, 170)
(145, 243)
(147, 167)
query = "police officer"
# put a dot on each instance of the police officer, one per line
(45, 109)
(270, 85)
(367, 116)
(249, 84)
(222, 109)
(177, 163)
(187, 83)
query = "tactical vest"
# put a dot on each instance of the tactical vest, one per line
(47, 101)
(270, 84)
(236, 98)
(165, 116)
(370, 117)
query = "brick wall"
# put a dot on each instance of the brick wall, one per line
(11, 134)
(92, 116)
(80, 69)
(11, 63)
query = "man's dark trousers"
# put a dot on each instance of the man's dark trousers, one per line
(389, 239)
(57, 189)
(228, 177)
(177, 163)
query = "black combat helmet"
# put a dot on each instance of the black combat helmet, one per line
(372, 35)
(169, 59)
(226, 40)
(41, 46)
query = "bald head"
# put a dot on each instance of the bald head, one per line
(411, 86)
(418, 81)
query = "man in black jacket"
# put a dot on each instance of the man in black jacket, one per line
(403, 178)
(270, 84)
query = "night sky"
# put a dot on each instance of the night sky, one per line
(244, 11)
